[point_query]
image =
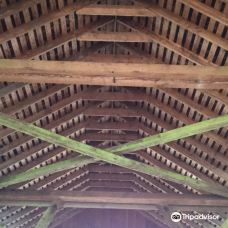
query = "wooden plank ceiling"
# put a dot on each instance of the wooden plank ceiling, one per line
(177, 32)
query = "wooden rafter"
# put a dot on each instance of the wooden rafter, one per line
(59, 41)
(175, 47)
(99, 154)
(206, 10)
(184, 24)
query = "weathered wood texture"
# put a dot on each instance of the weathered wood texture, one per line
(179, 32)
(118, 74)
(99, 154)
(70, 199)
(47, 217)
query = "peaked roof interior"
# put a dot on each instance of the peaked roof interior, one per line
(178, 32)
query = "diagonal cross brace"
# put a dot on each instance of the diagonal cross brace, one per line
(47, 217)
(99, 154)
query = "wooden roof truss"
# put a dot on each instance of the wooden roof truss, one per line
(110, 88)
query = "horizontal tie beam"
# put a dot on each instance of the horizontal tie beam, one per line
(44, 198)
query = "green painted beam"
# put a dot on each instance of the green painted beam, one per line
(172, 135)
(47, 217)
(225, 224)
(99, 154)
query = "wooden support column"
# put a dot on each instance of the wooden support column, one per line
(47, 217)
(99, 154)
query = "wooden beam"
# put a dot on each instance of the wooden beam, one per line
(110, 58)
(47, 217)
(117, 74)
(99, 137)
(171, 135)
(91, 125)
(71, 198)
(98, 154)
(115, 10)
(115, 37)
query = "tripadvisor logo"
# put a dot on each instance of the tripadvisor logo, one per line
(176, 216)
